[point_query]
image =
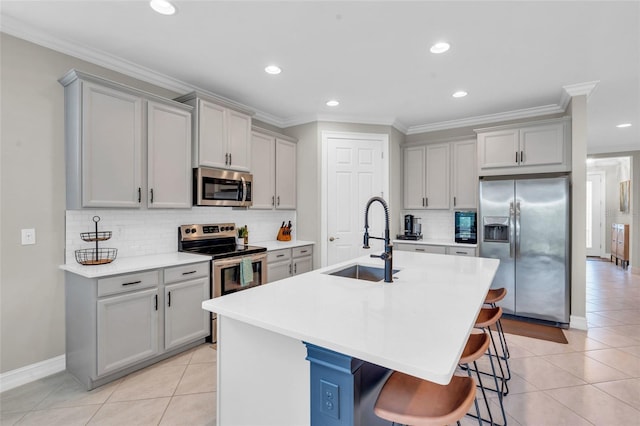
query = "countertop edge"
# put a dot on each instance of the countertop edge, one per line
(134, 264)
(279, 245)
(445, 243)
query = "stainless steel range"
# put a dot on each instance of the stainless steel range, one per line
(234, 267)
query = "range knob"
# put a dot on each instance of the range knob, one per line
(193, 230)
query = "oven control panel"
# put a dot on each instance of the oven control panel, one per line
(208, 231)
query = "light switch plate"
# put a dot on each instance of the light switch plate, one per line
(28, 236)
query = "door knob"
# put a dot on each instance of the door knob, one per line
(332, 238)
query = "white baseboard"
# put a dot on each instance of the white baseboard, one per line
(577, 322)
(21, 376)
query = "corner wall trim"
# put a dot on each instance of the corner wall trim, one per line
(577, 322)
(27, 374)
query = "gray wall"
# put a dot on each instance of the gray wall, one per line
(33, 196)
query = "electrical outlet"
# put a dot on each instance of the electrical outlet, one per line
(330, 399)
(28, 236)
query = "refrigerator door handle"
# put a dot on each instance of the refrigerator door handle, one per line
(517, 229)
(511, 224)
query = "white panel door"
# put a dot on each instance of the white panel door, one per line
(542, 145)
(414, 177)
(437, 176)
(464, 176)
(184, 319)
(238, 139)
(595, 208)
(498, 149)
(354, 176)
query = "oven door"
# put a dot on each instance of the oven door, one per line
(227, 278)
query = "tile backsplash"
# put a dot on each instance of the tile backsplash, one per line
(436, 224)
(143, 232)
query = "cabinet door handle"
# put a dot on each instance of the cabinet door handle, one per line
(517, 157)
(156, 297)
(132, 283)
(426, 201)
(169, 299)
(295, 268)
(230, 161)
(273, 200)
(289, 269)
(422, 201)
(454, 201)
(278, 200)
(521, 156)
(189, 273)
(139, 194)
(226, 159)
(151, 195)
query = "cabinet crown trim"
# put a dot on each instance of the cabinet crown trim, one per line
(216, 99)
(74, 74)
(522, 124)
(266, 132)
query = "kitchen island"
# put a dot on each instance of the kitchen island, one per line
(315, 348)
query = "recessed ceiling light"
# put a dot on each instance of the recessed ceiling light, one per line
(163, 7)
(440, 47)
(333, 103)
(460, 94)
(273, 69)
(623, 125)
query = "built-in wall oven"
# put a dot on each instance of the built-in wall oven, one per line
(234, 267)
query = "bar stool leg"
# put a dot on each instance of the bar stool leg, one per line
(500, 393)
(503, 339)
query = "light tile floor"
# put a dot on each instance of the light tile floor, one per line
(593, 380)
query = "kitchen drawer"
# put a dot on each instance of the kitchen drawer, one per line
(278, 255)
(186, 272)
(129, 282)
(302, 251)
(421, 248)
(461, 251)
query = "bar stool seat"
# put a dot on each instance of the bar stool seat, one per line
(488, 317)
(412, 401)
(495, 295)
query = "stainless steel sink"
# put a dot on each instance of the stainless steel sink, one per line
(361, 272)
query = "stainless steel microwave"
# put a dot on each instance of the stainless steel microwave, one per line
(215, 187)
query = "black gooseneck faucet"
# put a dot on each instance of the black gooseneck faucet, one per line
(387, 256)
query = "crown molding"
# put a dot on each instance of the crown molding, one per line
(579, 89)
(489, 118)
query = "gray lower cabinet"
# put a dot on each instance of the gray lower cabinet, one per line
(436, 249)
(288, 262)
(119, 324)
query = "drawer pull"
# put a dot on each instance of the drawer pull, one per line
(132, 283)
(280, 255)
(419, 249)
(303, 251)
(461, 252)
(189, 273)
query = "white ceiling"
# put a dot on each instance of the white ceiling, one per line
(513, 58)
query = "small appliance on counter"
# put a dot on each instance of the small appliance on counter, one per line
(412, 228)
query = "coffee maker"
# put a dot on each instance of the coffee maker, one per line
(412, 228)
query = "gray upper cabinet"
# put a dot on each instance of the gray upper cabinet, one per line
(221, 132)
(426, 176)
(273, 165)
(534, 147)
(124, 147)
(169, 156)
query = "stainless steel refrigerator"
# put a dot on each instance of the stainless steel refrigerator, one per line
(525, 222)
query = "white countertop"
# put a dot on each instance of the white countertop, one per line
(134, 264)
(277, 245)
(434, 242)
(418, 324)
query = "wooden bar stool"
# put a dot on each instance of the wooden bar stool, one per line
(493, 297)
(477, 345)
(409, 400)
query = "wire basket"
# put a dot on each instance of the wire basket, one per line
(95, 236)
(96, 256)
